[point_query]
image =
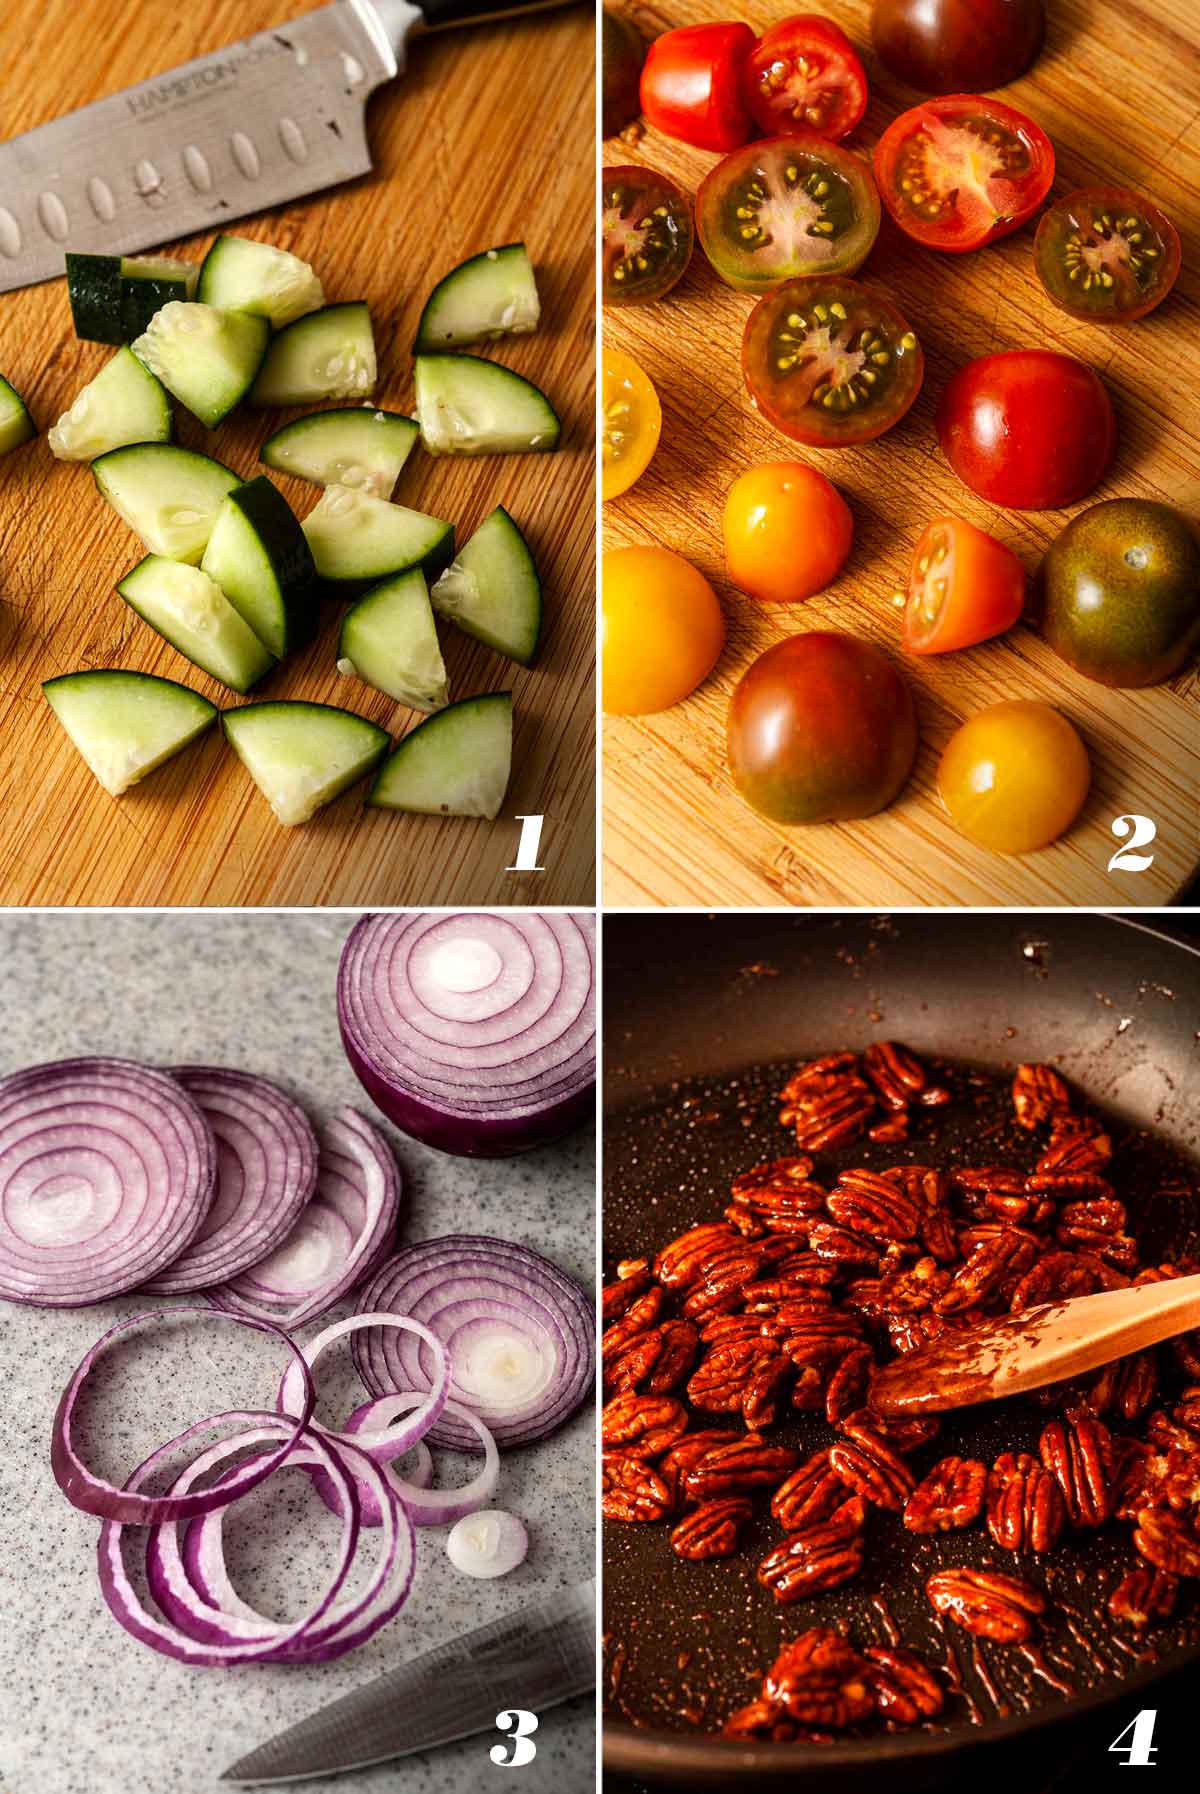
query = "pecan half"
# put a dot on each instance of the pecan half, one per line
(776, 1196)
(1056, 1277)
(1078, 1454)
(748, 1463)
(722, 1377)
(1167, 1542)
(767, 1389)
(721, 1283)
(1038, 1095)
(760, 1720)
(633, 1276)
(814, 1559)
(681, 1458)
(643, 1425)
(1025, 1509)
(809, 1494)
(1143, 1596)
(679, 1264)
(629, 1367)
(948, 1497)
(842, 1248)
(906, 1689)
(998, 1258)
(836, 1119)
(847, 1388)
(1126, 1387)
(866, 1462)
(987, 1603)
(820, 1679)
(897, 1074)
(865, 1202)
(712, 1530)
(679, 1343)
(639, 1317)
(1077, 1143)
(631, 1489)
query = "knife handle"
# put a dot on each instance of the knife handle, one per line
(442, 15)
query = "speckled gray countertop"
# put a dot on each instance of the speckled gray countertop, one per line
(86, 1709)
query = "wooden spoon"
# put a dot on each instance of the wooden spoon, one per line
(1037, 1346)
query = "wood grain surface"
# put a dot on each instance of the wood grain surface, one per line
(1117, 88)
(487, 137)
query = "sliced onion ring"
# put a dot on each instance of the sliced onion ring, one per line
(380, 1442)
(425, 1506)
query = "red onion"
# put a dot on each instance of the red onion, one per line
(474, 1032)
(107, 1171)
(489, 1543)
(380, 1442)
(266, 1172)
(425, 1506)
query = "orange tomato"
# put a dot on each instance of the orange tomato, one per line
(632, 422)
(788, 531)
(963, 587)
(1015, 777)
(661, 630)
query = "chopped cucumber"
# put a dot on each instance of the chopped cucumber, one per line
(468, 406)
(260, 558)
(456, 763)
(169, 495)
(328, 354)
(389, 639)
(16, 425)
(207, 358)
(240, 275)
(114, 297)
(123, 404)
(302, 755)
(192, 612)
(361, 448)
(492, 590)
(355, 537)
(125, 724)
(493, 294)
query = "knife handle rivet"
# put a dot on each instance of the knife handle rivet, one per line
(101, 200)
(10, 233)
(292, 139)
(245, 155)
(53, 215)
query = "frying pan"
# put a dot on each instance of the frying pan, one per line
(702, 1016)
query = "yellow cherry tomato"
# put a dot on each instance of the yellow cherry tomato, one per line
(1014, 778)
(788, 531)
(631, 425)
(661, 630)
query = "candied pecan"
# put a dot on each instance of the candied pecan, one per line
(767, 1388)
(639, 1317)
(1025, 1510)
(897, 1074)
(809, 1495)
(681, 1458)
(760, 1720)
(1077, 1143)
(808, 1268)
(865, 1202)
(630, 1367)
(1167, 1542)
(1125, 1387)
(643, 1425)
(747, 1463)
(912, 1290)
(679, 1342)
(815, 1558)
(847, 1387)
(1079, 1455)
(1139, 1478)
(722, 1377)
(905, 1431)
(723, 1329)
(863, 1458)
(820, 1679)
(813, 1074)
(632, 1489)
(719, 1290)
(987, 1603)
(888, 1132)
(835, 1119)
(776, 1196)
(1005, 1256)
(1071, 1186)
(711, 1530)
(1097, 1226)
(948, 1497)
(821, 1339)
(633, 1276)
(1143, 1596)
(1056, 1277)
(1038, 1094)
(808, 1391)
(906, 1689)
(842, 1248)
(767, 1295)
(679, 1264)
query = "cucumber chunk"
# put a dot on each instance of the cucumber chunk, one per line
(491, 590)
(114, 297)
(192, 613)
(327, 354)
(125, 724)
(456, 763)
(361, 448)
(260, 558)
(169, 495)
(123, 404)
(389, 639)
(207, 358)
(468, 406)
(491, 295)
(302, 755)
(16, 425)
(238, 274)
(355, 537)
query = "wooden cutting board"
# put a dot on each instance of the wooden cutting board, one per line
(487, 138)
(1117, 90)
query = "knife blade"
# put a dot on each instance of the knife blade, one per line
(532, 1659)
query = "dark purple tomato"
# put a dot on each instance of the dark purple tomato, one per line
(622, 55)
(957, 46)
(646, 229)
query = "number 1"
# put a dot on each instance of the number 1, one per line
(527, 846)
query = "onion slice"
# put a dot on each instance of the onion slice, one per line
(380, 1442)
(475, 1031)
(490, 1543)
(107, 1171)
(426, 1506)
(266, 1173)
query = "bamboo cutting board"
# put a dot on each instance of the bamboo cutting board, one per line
(452, 175)
(1117, 88)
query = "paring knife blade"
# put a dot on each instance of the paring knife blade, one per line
(533, 1659)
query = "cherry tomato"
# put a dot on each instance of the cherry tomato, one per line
(632, 421)
(789, 206)
(788, 531)
(691, 85)
(963, 587)
(1028, 428)
(647, 234)
(621, 55)
(1106, 254)
(804, 74)
(1014, 777)
(829, 362)
(822, 728)
(961, 171)
(957, 46)
(661, 630)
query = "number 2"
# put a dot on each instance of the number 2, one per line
(1144, 831)
(519, 1724)
(1139, 1752)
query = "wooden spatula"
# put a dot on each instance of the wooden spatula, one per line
(1035, 1347)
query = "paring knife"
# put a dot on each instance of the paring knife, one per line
(272, 118)
(535, 1658)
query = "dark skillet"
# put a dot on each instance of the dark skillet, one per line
(702, 1015)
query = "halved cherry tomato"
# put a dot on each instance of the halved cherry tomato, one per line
(1014, 777)
(829, 362)
(788, 531)
(661, 630)
(691, 87)
(961, 171)
(1106, 254)
(786, 207)
(957, 46)
(1028, 428)
(963, 587)
(804, 74)
(647, 234)
(632, 422)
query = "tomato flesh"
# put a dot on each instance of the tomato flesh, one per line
(804, 73)
(1028, 428)
(631, 425)
(788, 531)
(786, 207)
(1015, 776)
(957, 46)
(1106, 254)
(963, 588)
(646, 225)
(959, 172)
(691, 85)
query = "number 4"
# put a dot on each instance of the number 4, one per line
(1139, 1752)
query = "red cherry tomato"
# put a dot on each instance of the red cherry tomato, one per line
(691, 85)
(963, 587)
(1029, 429)
(803, 74)
(959, 172)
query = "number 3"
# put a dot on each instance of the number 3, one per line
(1144, 831)
(520, 1724)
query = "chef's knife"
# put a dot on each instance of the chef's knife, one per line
(269, 119)
(535, 1658)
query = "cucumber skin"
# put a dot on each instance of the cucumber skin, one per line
(267, 510)
(108, 308)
